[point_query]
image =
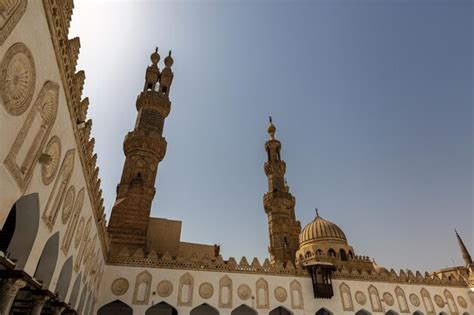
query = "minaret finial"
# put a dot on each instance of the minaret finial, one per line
(156, 49)
(271, 129)
(465, 253)
(317, 212)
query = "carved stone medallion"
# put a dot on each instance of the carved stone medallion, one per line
(68, 204)
(120, 286)
(439, 300)
(49, 169)
(388, 298)
(280, 294)
(17, 79)
(244, 292)
(414, 299)
(164, 288)
(80, 229)
(206, 290)
(462, 302)
(11, 13)
(360, 297)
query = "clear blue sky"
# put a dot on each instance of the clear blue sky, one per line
(372, 101)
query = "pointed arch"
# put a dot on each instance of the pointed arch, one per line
(244, 310)
(75, 291)
(141, 294)
(280, 310)
(362, 312)
(18, 233)
(261, 290)
(82, 300)
(417, 313)
(62, 285)
(225, 292)
(346, 297)
(324, 311)
(185, 291)
(427, 302)
(391, 312)
(402, 300)
(204, 309)
(161, 308)
(450, 301)
(47, 262)
(296, 295)
(375, 299)
(116, 307)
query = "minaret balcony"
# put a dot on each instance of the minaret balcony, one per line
(154, 100)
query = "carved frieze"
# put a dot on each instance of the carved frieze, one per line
(120, 286)
(164, 288)
(17, 79)
(50, 168)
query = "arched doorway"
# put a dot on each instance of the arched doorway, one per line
(116, 307)
(47, 262)
(19, 231)
(161, 308)
(204, 309)
(244, 310)
(280, 311)
(323, 311)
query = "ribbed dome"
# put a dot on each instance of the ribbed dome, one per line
(321, 230)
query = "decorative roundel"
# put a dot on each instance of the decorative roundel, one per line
(49, 170)
(360, 297)
(439, 300)
(280, 294)
(388, 298)
(80, 229)
(462, 302)
(244, 292)
(17, 79)
(120, 286)
(164, 288)
(414, 299)
(206, 290)
(68, 204)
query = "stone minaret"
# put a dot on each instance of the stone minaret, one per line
(279, 205)
(144, 148)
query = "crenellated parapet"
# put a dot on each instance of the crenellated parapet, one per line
(59, 14)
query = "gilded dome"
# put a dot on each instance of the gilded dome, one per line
(321, 230)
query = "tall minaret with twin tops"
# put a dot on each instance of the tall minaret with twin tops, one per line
(144, 148)
(279, 205)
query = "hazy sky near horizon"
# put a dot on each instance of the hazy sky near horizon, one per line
(372, 101)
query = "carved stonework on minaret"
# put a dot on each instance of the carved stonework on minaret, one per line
(144, 148)
(279, 205)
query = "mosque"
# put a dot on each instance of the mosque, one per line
(58, 255)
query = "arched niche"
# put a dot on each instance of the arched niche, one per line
(185, 290)
(280, 310)
(47, 262)
(346, 297)
(161, 308)
(261, 290)
(75, 291)
(116, 307)
(225, 292)
(204, 309)
(19, 231)
(427, 302)
(375, 299)
(402, 300)
(64, 279)
(450, 301)
(323, 311)
(244, 310)
(296, 295)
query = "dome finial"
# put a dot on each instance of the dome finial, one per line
(317, 212)
(155, 56)
(271, 129)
